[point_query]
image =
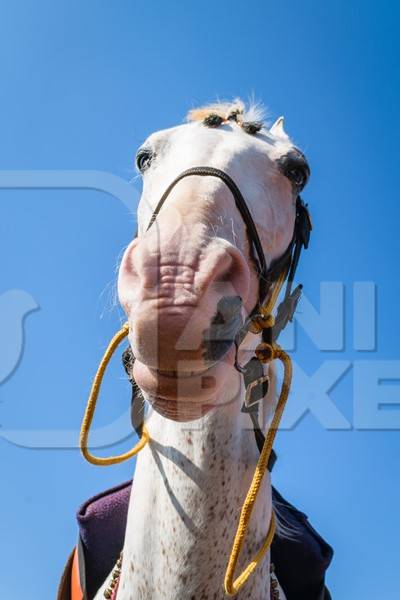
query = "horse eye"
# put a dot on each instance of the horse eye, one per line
(294, 166)
(297, 176)
(143, 159)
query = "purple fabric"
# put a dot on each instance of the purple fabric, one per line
(300, 561)
(102, 524)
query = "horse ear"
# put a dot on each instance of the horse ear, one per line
(277, 129)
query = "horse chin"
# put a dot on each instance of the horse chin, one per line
(183, 396)
(180, 410)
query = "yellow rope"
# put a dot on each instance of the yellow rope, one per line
(233, 586)
(269, 306)
(265, 318)
(91, 406)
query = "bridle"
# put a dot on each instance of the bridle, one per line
(260, 320)
(284, 266)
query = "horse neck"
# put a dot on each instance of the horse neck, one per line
(189, 485)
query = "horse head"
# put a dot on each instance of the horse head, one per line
(188, 281)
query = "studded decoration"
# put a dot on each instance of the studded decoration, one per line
(274, 585)
(110, 593)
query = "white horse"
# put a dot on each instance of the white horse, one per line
(191, 479)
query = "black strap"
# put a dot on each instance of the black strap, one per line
(252, 371)
(260, 438)
(301, 238)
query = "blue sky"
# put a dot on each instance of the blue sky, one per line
(82, 85)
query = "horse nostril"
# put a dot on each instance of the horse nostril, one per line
(227, 309)
(224, 326)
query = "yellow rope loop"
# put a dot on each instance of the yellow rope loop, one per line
(232, 586)
(91, 406)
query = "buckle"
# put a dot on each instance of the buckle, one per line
(248, 400)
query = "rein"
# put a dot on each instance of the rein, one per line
(260, 320)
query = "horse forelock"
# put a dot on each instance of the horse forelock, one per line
(252, 112)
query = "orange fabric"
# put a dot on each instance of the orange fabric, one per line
(76, 590)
